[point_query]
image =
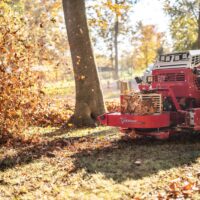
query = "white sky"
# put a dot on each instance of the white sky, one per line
(151, 12)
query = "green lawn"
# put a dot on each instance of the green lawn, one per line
(65, 89)
(59, 88)
(96, 164)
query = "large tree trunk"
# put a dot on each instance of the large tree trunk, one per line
(89, 98)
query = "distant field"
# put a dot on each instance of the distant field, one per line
(67, 90)
(59, 88)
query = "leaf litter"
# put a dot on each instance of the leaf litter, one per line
(97, 164)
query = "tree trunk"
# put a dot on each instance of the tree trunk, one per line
(116, 73)
(89, 98)
(112, 57)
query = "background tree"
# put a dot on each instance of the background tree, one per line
(89, 98)
(185, 23)
(147, 44)
(109, 20)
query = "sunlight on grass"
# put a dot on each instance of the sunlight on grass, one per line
(59, 88)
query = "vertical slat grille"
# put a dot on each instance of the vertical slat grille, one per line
(141, 103)
(154, 100)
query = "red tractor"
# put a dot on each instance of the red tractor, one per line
(174, 89)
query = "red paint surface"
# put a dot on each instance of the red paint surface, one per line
(136, 121)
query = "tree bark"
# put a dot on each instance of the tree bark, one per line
(89, 98)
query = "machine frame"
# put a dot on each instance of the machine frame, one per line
(176, 78)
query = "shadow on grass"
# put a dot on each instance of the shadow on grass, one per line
(120, 160)
(27, 153)
(140, 158)
(57, 132)
(63, 131)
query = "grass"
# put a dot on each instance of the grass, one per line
(64, 90)
(96, 164)
(61, 88)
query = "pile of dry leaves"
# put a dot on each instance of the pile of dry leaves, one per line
(181, 188)
(133, 103)
(22, 103)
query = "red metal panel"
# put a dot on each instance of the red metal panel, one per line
(183, 83)
(136, 121)
(197, 119)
